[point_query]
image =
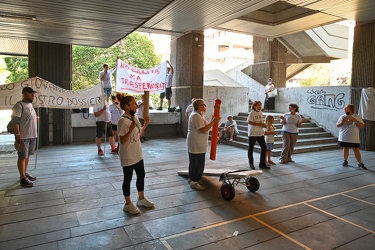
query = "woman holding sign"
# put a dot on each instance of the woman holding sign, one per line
(197, 140)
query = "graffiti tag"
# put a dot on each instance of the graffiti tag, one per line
(319, 99)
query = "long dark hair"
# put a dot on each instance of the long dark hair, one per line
(125, 100)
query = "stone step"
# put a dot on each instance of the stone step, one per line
(311, 137)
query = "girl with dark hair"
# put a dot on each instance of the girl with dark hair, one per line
(130, 152)
(256, 134)
(349, 125)
(291, 122)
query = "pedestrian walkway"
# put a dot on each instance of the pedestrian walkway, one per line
(76, 202)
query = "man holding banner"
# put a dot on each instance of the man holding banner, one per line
(168, 88)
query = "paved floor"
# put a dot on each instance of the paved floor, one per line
(77, 202)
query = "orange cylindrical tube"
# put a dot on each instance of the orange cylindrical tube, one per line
(215, 130)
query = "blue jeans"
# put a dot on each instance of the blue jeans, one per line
(108, 92)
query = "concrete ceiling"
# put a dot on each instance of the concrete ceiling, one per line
(101, 24)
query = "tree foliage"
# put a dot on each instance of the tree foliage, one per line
(135, 49)
(318, 76)
(18, 68)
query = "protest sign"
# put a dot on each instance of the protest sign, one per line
(50, 95)
(130, 79)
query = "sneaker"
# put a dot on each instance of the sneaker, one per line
(170, 110)
(196, 185)
(31, 178)
(25, 182)
(144, 202)
(345, 163)
(100, 152)
(114, 150)
(130, 208)
(160, 108)
(360, 165)
(264, 167)
(200, 182)
(231, 139)
(252, 166)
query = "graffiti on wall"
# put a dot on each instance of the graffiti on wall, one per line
(320, 99)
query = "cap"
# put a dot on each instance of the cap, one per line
(28, 89)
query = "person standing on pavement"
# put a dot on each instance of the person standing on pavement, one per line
(291, 122)
(130, 153)
(25, 131)
(255, 132)
(349, 125)
(139, 114)
(103, 126)
(197, 141)
(116, 113)
(168, 88)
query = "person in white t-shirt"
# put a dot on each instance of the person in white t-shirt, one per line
(189, 110)
(139, 114)
(230, 129)
(105, 77)
(168, 88)
(130, 153)
(197, 140)
(349, 125)
(116, 113)
(256, 134)
(25, 131)
(103, 125)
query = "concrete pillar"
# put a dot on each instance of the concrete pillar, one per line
(187, 57)
(52, 62)
(269, 61)
(363, 75)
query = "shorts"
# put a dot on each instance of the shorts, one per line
(100, 129)
(27, 149)
(114, 127)
(108, 92)
(269, 146)
(348, 144)
(167, 94)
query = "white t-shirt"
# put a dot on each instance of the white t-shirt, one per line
(139, 112)
(269, 138)
(189, 109)
(196, 141)
(229, 123)
(255, 116)
(131, 152)
(349, 132)
(28, 122)
(168, 81)
(105, 116)
(107, 81)
(291, 122)
(116, 113)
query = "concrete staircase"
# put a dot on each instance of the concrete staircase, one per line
(310, 138)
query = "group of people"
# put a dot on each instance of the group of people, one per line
(119, 120)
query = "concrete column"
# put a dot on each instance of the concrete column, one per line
(187, 57)
(52, 62)
(363, 75)
(269, 61)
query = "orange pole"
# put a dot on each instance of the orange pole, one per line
(215, 130)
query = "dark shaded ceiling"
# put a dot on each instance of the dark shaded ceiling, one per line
(103, 23)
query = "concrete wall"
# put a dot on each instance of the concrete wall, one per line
(162, 124)
(233, 100)
(323, 104)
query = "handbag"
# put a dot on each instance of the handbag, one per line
(273, 93)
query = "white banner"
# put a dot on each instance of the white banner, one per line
(51, 96)
(130, 79)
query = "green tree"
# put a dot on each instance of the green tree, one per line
(135, 49)
(18, 67)
(318, 76)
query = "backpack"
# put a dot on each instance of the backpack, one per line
(10, 126)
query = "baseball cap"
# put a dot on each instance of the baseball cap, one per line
(28, 89)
